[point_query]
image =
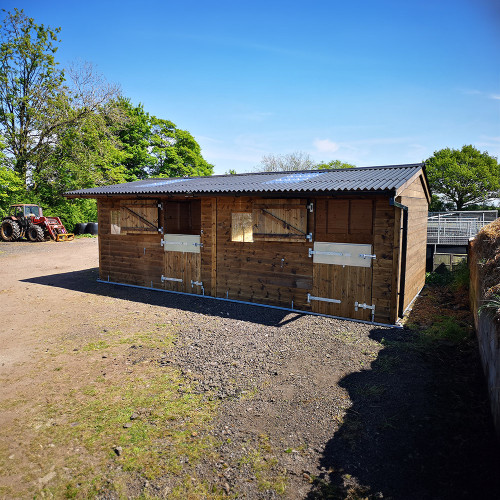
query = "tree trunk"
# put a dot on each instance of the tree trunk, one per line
(21, 168)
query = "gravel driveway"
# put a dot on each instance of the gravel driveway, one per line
(311, 407)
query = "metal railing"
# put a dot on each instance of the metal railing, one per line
(456, 228)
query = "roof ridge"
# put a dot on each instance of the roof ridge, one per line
(325, 180)
(322, 170)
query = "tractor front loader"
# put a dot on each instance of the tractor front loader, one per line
(28, 221)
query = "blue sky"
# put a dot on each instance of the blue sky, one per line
(367, 82)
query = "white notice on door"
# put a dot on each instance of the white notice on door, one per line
(186, 243)
(342, 254)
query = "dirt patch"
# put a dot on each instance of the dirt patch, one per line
(119, 392)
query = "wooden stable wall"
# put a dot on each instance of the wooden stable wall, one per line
(272, 269)
(269, 272)
(135, 259)
(414, 198)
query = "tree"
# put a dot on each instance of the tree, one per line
(156, 147)
(296, 161)
(35, 102)
(334, 164)
(176, 152)
(463, 177)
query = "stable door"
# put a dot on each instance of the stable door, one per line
(342, 280)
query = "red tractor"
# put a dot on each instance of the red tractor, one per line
(28, 221)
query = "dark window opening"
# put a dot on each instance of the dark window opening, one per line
(183, 217)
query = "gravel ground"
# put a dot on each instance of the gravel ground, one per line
(311, 407)
(336, 409)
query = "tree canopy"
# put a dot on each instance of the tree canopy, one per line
(156, 147)
(69, 129)
(463, 177)
(331, 165)
(36, 102)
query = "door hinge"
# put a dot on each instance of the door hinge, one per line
(160, 206)
(309, 237)
(322, 299)
(198, 283)
(164, 278)
(310, 207)
(160, 230)
(338, 254)
(367, 256)
(358, 305)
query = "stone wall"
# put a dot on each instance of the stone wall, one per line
(488, 331)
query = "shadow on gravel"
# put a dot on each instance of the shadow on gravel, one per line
(85, 281)
(419, 427)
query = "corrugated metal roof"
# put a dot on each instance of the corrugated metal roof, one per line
(384, 178)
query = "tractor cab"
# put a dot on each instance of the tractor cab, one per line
(26, 210)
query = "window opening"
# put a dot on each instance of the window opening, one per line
(115, 221)
(242, 226)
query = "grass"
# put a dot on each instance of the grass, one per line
(387, 363)
(96, 346)
(264, 466)
(78, 236)
(441, 315)
(348, 337)
(370, 390)
(168, 433)
(444, 328)
(91, 419)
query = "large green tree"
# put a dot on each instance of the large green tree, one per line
(463, 176)
(30, 83)
(36, 103)
(10, 185)
(156, 147)
(65, 130)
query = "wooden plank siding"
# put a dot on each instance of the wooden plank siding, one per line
(209, 249)
(277, 272)
(413, 196)
(383, 265)
(135, 259)
(268, 272)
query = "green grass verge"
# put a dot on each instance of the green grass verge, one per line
(88, 434)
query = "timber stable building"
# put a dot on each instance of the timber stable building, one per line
(349, 243)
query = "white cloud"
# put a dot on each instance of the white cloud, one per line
(495, 96)
(326, 145)
(470, 91)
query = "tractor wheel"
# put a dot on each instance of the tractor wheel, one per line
(10, 230)
(35, 233)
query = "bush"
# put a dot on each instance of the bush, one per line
(72, 212)
(458, 278)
